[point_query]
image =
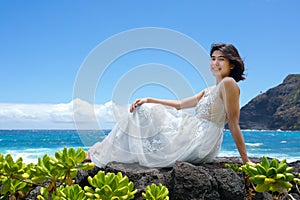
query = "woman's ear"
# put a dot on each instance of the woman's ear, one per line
(231, 66)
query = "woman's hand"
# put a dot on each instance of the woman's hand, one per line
(137, 103)
(251, 163)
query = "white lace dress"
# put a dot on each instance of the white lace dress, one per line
(157, 136)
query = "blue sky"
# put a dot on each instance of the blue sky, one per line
(44, 43)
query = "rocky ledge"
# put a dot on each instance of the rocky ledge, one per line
(186, 181)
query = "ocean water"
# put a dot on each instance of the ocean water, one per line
(31, 144)
(274, 144)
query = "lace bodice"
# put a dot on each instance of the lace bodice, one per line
(211, 106)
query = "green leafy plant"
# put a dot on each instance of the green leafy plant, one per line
(233, 167)
(274, 176)
(110, 186)
(60, 169)
(64, 193)
(18, 178)
(12, 175)
(56, 176)
(156, 192)
(297, 181)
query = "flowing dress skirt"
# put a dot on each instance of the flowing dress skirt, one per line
(158, 136)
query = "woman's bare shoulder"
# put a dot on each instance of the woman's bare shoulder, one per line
(230, 85)
(229, 80)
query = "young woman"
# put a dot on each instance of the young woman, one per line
(154, 135)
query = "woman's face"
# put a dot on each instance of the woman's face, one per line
(219, 65)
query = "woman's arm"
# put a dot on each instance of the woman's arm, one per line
(230, 93)
(178, 104)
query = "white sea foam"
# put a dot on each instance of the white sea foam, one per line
(283, 142)
(228, 154)
(31, 155)
(259, 130)
(254, 144)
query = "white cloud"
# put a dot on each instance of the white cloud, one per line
(54, 116)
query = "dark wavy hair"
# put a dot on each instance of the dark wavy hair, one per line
(232, 54)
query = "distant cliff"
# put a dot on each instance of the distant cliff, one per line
(278, 108)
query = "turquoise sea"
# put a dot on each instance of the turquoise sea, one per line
(31, 144)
